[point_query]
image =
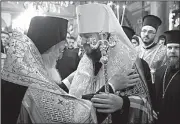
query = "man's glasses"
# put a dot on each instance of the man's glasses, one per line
(148, 31)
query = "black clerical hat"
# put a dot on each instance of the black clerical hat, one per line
(45, 32)
(173, 36)
(152, 20)
(128, 31)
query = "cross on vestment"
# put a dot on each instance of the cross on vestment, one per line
(60, 102)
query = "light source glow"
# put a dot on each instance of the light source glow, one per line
(23, 20)
(124, 6)
(117, 6)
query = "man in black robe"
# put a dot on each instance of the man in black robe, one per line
(167, 83)
(70, 60)
(152, 52)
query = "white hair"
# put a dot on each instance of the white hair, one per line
(50, 58)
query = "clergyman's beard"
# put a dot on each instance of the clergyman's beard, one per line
(95, 55)
(173, 62)
(50, 66)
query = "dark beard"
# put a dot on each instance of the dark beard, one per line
(95, 55)
(173, 64)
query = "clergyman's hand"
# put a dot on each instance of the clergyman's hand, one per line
(107, 102)
(120, 81)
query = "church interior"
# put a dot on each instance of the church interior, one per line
(90, 62)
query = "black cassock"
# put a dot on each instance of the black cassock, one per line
(68, 63)
(169, 106)
(11, 99)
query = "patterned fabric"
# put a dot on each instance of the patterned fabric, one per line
(23, 64)
(44, 100)
(121, 59)
(140, 103)
(155, 56)
(51, 107)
